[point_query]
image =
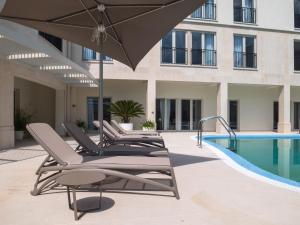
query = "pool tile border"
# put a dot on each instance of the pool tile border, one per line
(241, 164)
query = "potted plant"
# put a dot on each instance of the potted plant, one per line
(81, 124)
(126, 110)
(148, 125)
(22, 118)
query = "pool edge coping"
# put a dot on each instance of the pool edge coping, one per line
(250, 169)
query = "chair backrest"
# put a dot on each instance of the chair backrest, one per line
(106, 133)
(120, 129)
(82, 139)
(111, 129)
(53, 143)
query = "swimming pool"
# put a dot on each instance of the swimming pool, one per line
(276, 157)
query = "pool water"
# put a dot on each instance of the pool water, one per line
(278, 156)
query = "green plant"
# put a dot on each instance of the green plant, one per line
(126, 110)
(22, 118)
(80, 123)
(149, 124)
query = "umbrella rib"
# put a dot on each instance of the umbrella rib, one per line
(88, 11)
(72, 14)
(46, 22)
(133, 5)
(144, 13)
(118, 39)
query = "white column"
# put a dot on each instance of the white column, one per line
(60, 110)
(151, 100)
(284, 157)
(7, 137)
(284, 124)
(222, 105)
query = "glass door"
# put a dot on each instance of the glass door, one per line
(296, 115)
(160, 114)
(170, 114)
(233, 114)
(196, 113)
(185, 114)
(275, 115)
(92, 110)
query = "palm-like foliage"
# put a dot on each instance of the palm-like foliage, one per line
(126, 109)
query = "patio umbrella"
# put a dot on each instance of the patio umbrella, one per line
(125, 30)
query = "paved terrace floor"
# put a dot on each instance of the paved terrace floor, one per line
(212, 193)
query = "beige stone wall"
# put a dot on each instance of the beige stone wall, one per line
(38, 100)
(207, 93)
(255, 106)
(114, 89)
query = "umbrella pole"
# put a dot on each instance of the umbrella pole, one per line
(100, 99)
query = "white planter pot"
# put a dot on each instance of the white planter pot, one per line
(19, 135)
(127, 126)
(147, 129)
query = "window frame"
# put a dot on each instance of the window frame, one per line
(173, 49)
(244, 37)
(97, 59)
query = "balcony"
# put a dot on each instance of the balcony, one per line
(173, 55)
(204, 57)
(244, 15)
(245, 60)
(207, 11)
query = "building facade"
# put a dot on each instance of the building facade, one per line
(236, 58)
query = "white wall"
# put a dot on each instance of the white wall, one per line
(255, 106)
(207, 93)
(116, 90)
(37, 100)
(295, 97)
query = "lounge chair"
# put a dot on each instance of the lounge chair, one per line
(86, 144)
(63, 158)
(121, 130)
(112, 137)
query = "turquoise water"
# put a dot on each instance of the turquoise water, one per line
(278, 156)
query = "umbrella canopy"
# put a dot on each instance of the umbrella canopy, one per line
(133, 27)
(125, 30)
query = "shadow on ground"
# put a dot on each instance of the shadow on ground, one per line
(183, 159)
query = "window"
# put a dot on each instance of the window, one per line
(92, 110)
(207, 11)
(297, 55)
(166, 114)
(296, 115)
(275, 115)
(180, 114)
(173, 48)
(233, 114)
(297, 13)
(203, 49)
(244, 51)
(185, 114)
(57, 42)
(244, 11)
(90, 55)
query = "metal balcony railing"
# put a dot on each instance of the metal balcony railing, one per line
(207, 11)
(204, 57)
(245, 60)
(173, 55)
(244, 15)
